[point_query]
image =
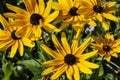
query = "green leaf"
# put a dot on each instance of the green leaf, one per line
(7, 69)
(33, 66)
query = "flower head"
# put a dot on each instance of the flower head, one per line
(106, 46)
(96, 9)
(36, 16)
(68, 13)
(69, 60)
(14, 38)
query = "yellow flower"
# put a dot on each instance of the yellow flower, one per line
(68, 14)
(106, 46)
(34, 17)
(13, 38)
(69, 60)
(99, 10)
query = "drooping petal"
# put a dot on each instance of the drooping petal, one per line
(65, 43)
(99, 17)
(14, 49)
(105, 25)
(69, 72)
(108, 58)
(5, 43)
(59, 72)
(20, 47)
(28, 42)
(76, 72)
(49, 70)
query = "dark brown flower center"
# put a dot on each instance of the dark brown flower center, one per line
(73, 11)
(34, 19)
(70, 59)
(98, 9)
(14, 36)
(106, 48)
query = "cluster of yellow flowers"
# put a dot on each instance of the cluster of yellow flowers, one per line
(26, 26)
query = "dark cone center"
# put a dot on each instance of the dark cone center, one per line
(70, 59)
(73, 11)
(34, 19)
(14, 36)
(98, 9)
(106, 48)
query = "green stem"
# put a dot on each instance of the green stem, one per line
(29, 53)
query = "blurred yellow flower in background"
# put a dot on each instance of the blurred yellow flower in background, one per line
(96, 9)
(106, 46)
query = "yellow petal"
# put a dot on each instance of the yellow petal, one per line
(70, 3)
(110, 16)
(88, 55)
(108, 36)
(28, 5)
(48, 9)
(89, 64)
(110, 3)
(99, 17)
(105, 25)
(50, 27)
(5, 43)
(64, 2)
(74, 45)
(84, 69)
(50, 51)
(49, 70)
(41, 6)
(14, 49)
(108, 58)
(76, 72)
(69, 72)
(114, 54)
(16, 16)
(65, 43)
(83, 46)
(52, 16)
(20, 47)
(16, 9)
(28, 42)
(53, 63)
(59, 72)
(5, 23)
(64, 25)
(58, 46)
